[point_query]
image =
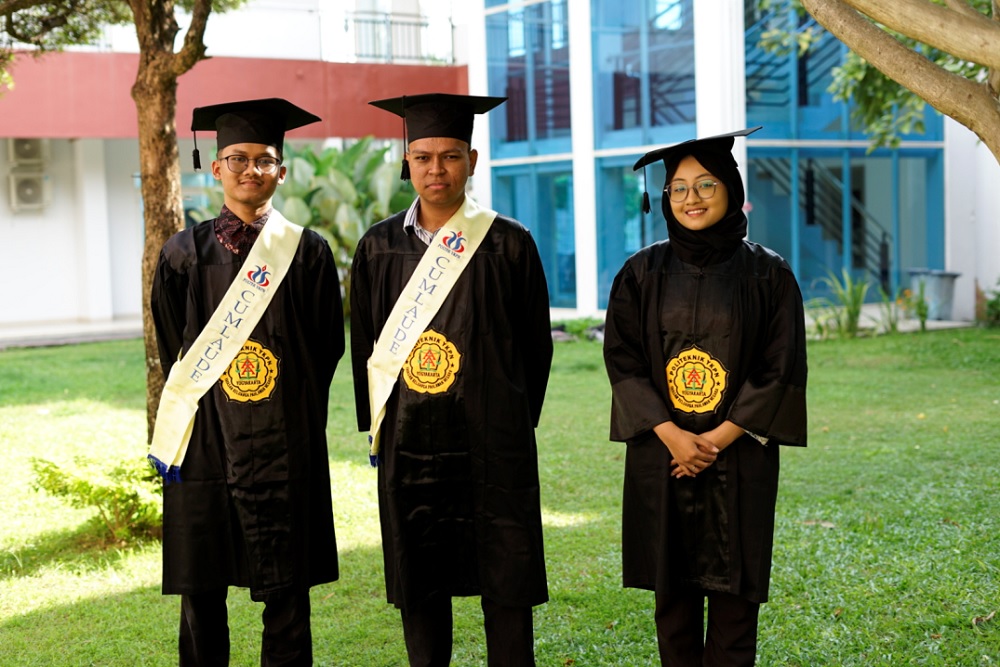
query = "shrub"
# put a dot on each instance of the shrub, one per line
(840, 316)
(581, 328)
(126, 497)
(992, 310)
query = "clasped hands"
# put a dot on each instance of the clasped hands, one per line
(691, 452)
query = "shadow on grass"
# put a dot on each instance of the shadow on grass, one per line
(139, 627)
(109, 372)
(87, 547)
(589, 620)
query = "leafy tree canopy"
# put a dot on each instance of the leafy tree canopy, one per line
(41, 26)
(903, 55)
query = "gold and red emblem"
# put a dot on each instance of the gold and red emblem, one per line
(252, 375)
(432, 365)
(696, 381)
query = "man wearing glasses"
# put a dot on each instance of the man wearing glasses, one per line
(249, 325)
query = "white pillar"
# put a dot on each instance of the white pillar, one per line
(94, 236)
(719, 67)
(584, 167)
(475, 29)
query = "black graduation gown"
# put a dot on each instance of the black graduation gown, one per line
(253, 508)
(714, 531)
(458, 475)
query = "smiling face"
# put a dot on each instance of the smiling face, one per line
(439, 168)
(248, 194)
(695, 213)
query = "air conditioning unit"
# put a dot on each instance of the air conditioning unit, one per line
(28, 191)
(24, 152)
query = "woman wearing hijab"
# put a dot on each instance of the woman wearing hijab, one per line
(705, 350)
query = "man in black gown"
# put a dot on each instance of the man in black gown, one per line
(457, 465)
(253, 504)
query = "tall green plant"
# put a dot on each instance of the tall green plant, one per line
(126, 497)
(840, 315)
(338, 193)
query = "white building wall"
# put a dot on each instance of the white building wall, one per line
(125, 226)
(44, 250)
(972, 217)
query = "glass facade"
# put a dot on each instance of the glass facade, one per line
(622, 227)
(528, 63)
(817, 195)
(875, 214)
(643, 71)
(541, 197)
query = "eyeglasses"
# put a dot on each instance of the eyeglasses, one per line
(679, 192)
(239, 163)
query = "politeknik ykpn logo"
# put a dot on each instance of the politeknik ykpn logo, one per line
(260, 276)
(455, 242)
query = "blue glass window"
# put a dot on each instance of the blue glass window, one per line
(644, 69)
(622, 227)
(528, 63)
(541, 198)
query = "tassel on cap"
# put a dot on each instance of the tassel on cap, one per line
(196, 156)
(645, 193)
(404, 172)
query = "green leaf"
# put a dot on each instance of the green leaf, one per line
(297, 211)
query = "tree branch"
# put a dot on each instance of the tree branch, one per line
(193, 50)
(962, 7)
(971, 37)
(966, 101)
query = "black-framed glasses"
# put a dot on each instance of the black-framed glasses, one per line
(678, 192)
(239, 163)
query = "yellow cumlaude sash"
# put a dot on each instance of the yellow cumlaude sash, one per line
(436, 274)
(219, 342)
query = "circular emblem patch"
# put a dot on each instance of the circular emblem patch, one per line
(252, 374)
(696, 381)
(432, 365)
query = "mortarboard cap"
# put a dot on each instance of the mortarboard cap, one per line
(249, 121)
(721, 144)
(437, 115)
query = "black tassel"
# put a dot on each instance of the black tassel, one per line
(645, 192)
(196, 156)
(404, 173)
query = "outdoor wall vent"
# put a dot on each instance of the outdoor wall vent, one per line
(28, 191)
(25, 152)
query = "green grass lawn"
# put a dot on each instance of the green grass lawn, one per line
(887, 547)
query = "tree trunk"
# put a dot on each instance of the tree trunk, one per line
(163, 210)
(972, 103)
(155, 95)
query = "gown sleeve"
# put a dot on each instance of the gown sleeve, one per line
(536, 331)
(325, 306)
(168, 303)
(772, 401)
(637, 405)
(362, 333)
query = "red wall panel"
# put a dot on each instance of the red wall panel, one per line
(88, 95)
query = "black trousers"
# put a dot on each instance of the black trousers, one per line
(204, 632)
(510, 640)
(729, 641)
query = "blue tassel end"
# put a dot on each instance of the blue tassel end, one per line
(374, 460)
(170, 474)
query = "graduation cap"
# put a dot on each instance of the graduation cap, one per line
(720, 144)
(249, 121)
(436, 115)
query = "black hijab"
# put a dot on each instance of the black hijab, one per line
(717, 243)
